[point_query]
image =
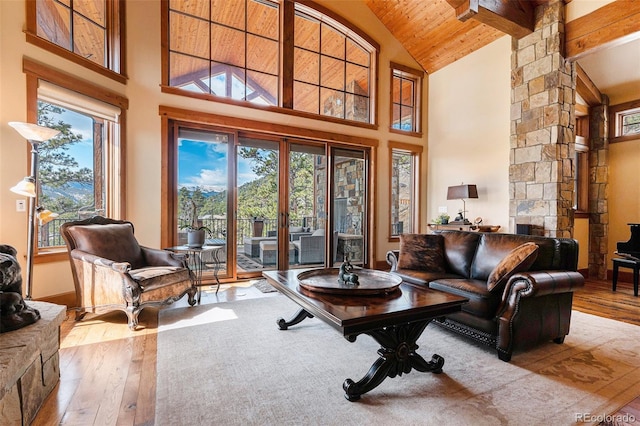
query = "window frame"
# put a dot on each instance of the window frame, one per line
(417, 77)
(616, 114)
(581, 202)
(114, 46)
(116, 190)
(416, 153)
(287, 10)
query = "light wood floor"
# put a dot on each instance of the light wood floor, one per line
(108, 373)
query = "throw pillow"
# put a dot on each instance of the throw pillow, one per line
(519, 259)
(423, 252)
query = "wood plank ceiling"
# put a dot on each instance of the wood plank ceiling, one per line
(433, 34)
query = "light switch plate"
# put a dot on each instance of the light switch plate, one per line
(442, 209)
(21, 206)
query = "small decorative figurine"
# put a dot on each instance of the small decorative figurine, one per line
(346, 274)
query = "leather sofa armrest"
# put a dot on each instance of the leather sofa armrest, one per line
(83, 256)
(392, 259)
(157, 257)
(537, 284)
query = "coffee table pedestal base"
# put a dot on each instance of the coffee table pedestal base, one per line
(397, 354)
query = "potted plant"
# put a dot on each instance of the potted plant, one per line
(196, 234)
(443, 219)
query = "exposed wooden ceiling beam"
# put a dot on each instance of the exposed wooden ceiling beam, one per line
(512, 17)
(586, 89)
(612, 24)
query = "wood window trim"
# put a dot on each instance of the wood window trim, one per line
(416, 151)
(34, 73)
(582, 176)
(418, 78)
(115, 34)
(286, 102)
(614, 125)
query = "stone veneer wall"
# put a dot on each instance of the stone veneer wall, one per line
(542, 170)
(598, 189)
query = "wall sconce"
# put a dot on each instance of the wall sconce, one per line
(28, 187)
(462, 192)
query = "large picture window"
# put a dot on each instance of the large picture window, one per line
(239, 51)
(85, 32)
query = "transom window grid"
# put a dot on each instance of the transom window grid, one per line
(330, 70)
(88, 30)
(238, 59)
(404, 102)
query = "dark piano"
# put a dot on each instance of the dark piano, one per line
(631, 248)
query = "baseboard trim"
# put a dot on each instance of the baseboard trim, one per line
(67, 299)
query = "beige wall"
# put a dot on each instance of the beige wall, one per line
(469, 104)
(143, 132)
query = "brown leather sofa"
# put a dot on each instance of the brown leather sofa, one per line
(529, 306)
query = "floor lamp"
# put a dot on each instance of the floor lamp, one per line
(28, 187)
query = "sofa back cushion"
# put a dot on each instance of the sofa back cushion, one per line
(494, 247)
(113, 241)
(421, 252)
(459, 248)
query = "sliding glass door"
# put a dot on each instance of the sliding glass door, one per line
(271, 202)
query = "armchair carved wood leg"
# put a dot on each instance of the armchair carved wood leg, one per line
(132, 315)
(192, 295)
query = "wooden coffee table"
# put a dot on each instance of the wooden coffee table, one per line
(395, 320)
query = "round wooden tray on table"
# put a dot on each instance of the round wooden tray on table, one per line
(370, 282)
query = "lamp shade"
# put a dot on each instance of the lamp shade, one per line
(26, 187)
(460, 192)
(33, 132)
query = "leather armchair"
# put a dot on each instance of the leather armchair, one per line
(112, 271)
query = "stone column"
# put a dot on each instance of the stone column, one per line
(598, 189)
(542, 169)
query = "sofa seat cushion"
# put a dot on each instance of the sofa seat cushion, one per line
(154, 277)
(422, 277)
(482, 303)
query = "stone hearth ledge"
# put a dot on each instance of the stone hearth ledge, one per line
(29, 365)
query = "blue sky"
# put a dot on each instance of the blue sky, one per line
(202, 164)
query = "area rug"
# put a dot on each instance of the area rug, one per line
(229, 364)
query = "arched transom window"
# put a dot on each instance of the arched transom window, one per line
(241, 50)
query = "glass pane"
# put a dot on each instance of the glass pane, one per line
(228, 12)
(332, 73)
(203, 192)
(631, 124)
(189, 73)
(194, 8)
(406, 114)
(333, 42)
(332, 103)
(307, 32)
(357, 80)
(262, 54)
(357, 54)
(227, 81)
(395, 89)
(54, 23)
(227, 45)
(349, 208)
(263, 19)
(88, 40)
(180, 26)
(395, 119)
(305, 97)
(356, 108)
(407, 92)
(262, 88)
(91, 9)
(306, 66)
(402, 191)
(70, 181)
(257, 213)
(307, 193)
